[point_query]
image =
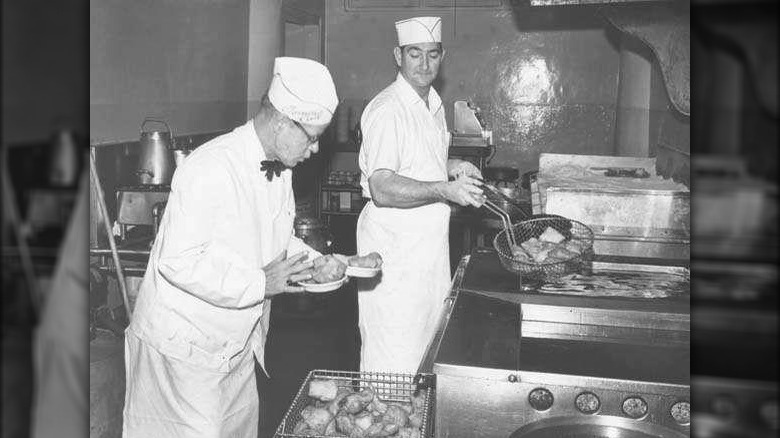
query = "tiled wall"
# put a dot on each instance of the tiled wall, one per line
(547, 77)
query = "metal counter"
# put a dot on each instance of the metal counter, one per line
(497, 354)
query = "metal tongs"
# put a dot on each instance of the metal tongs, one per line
(510, 232)
(497, 193)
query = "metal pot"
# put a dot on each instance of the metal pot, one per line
(315, 233)
(155, 162)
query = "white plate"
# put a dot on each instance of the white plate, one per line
(361, 272)
(323, 287)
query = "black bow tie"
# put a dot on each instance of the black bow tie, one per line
(271, 168)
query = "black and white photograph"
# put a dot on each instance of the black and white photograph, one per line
(390, 218)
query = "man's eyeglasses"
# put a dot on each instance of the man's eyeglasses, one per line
(311, 138)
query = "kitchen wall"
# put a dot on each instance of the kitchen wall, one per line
(44, 80)
(547, 77)
(181, 60)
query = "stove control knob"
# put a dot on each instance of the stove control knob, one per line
(512, 378)
(635, 407)
(587, 403)
(681, 412)
(540, 399)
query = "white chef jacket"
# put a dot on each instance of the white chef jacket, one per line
(399, 312)
(61, 357)
(201, 306)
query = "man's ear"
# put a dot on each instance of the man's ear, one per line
(277, 125)
(443, 52)
(398, 55)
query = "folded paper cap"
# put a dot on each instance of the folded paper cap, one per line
(418, 30)
(303, 90)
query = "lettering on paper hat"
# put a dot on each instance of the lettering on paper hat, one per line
(303, 90)
(418, 30)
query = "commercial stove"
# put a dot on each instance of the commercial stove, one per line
(734, 345)
(604, 353)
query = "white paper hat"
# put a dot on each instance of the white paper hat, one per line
(303, 90)
(418, 30)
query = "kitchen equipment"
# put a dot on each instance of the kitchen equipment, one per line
(496, 376)
(389, 387)
(501, 176)
(734, 329)
(136, 207)
(601, 425)
(314, 232)
(155, 161)
(470, 139)
(533, 272)
(639, 217)
(506, 220)
(735, 215)
(179, 155)
(613, 308)
(507, 199)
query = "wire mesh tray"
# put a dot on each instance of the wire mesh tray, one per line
(389, 387)
(533, 228)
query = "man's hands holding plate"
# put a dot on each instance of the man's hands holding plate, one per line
(330, 272)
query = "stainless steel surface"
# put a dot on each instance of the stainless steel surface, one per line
(314, 232)
(465, 119)
(155, 162)
(426, 365)
(492, 350)
(480, 402)
(642, 217)
(580, 313)
(613, 427)
(136, 207)
(389, 387)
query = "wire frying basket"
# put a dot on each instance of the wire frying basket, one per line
(389, 387)
(533, 228)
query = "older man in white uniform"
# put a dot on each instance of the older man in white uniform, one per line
(404, 171)
(224, 248)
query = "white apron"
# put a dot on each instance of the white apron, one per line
(398, 313)
(399, 310)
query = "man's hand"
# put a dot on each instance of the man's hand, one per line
(460, 168)
(282, 273)
(464, 191)
(371, 260)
